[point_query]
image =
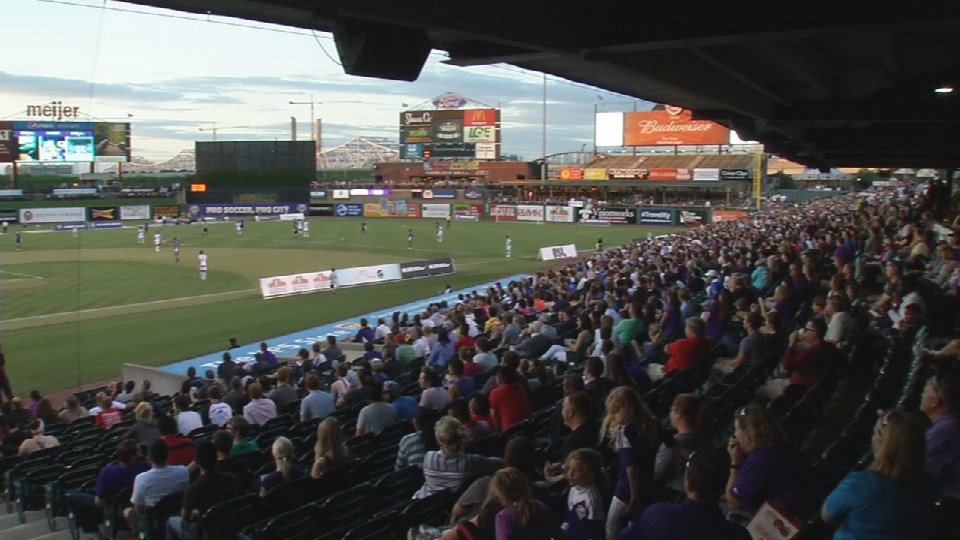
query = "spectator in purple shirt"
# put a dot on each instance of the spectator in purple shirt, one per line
(268, 356)
(523, 517)
(364, 334)
(941, 404)
(112, 479)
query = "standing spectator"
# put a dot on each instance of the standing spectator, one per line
(260, 409)
(145, 430)
(73, 410)
(941, 404)
(284, 394)
(377, 415)
(329, 451)
(180, 449)
(187, 420)
(212, 487)
(317, 403)
(585, 514)
(413, 446)
(113, 479)
(406, 406)
(509, 403)
(219, 413)
(448, 467)
(894, 497)
(287, 470)
(108, 416)
(434, 396)
(151, 486)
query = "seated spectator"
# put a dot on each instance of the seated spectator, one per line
(413, 446)
(689, 418)
(377, 415)
(287, 470)
(458, 384)
(522, 516)
(470, 367)
(698, 516)
(631, 327)
(227, 369)
(145, 430)
(378, 371)
(941, 404)
(534, 342)
(841, 326)
(212, 487)
(192, 381)
(464, 339)
(421, 342)
(476, 430)
(380, 333)
(804, 364)
(365, 334)
(624, 374)
(260, 409)
(333, 352)
(509, 403)
(577, 413)
(236, 398)
(483, 355)
(442, 351)
(284, 394)
(753, 349)
(434, 396)
(108, 415)
(219, 413)
(597, 386)
(242, 443)
(72, 410)
(894, 497)
(369, 353)
(329, 450)
(127, 395)
(448, 467)
(684, 353)
(45, 413)
(406, 406)
(209, 381)
(38, 441)
(113, 478)
(344, 383)
(180, 449)
(268, 356)
(480, 409)
(519, 453)
(187, 420)
(317, 403)
(151, 486)
(763, 466)
(13, 435)
(405, 353)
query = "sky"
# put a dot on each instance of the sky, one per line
(176, 73)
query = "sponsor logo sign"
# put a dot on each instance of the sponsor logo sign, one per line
(416, 118)
(473, 193)
(571, 173)
(439, 194)
(53, 215)
(418, 269)
(467, 212)
(244, 210)
(415, 135)
(693, 217)
(440, 211)
(140, 211)
(9, 148)
(449, 100)
(320, 210)
(10, 216)
(391, 208)
(669, 173)
(616, 215)
(341, 194)
(274, 286)
(728, 215)
(105, 225)
(594, 173)
(734, 174)
(318, 194)
(75, 191)
(138, 190)
(11, 193)
(480, 134)
(559, 214)
(635, 174)
(706, 175)
(70, 226)
(552, 253)
(526, 212)
(502, 212)
(411, 151)
(348, 210)
(655, 216)
(480, 117)
(168, 210)
(673, 126)
(485, 150)
(104, 214)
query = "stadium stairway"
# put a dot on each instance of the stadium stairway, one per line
(34, 528)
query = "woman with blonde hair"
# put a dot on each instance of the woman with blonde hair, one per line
(287, 470)
(329, 450)
(145, 431)
(72, 410)
(631, 430)
(522, 516)
(894, 497)
(448, 467)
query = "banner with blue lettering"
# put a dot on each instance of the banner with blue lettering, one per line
(348, 210)
(244, 210)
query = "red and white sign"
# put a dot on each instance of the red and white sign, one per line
(500, 212)
(529, 213)
(669, 173)
(571, 173)
(559, 214)
(434, 211)
(480, 117)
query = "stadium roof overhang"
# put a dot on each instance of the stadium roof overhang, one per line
(825, 84)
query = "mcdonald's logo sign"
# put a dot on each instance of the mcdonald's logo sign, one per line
(480, 117)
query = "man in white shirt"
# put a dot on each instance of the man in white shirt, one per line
(202, 257)
(151, 486)
(381, 331)
(220, 413)
(840, 324)
(187, 420)
(156, 241)
(260, 409)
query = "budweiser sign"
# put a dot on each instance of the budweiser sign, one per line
(673, 126)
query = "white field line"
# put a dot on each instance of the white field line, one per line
(31, 276)
(137, 304)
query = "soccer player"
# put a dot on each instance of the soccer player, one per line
(306, 229)
(334, 282)
(206, 230)
(156, 241)
(19, 241)
(176, 250)
(509, 246)
(599, 244)
(409, 238)
(449, 220)
(239, 227)
(363, 228)
(296, 227)
(141, 235)
(202, 257)
(5, 224)
(440, 234)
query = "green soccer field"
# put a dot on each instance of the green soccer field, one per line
(74, 308)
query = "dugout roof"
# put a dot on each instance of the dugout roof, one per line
(827, 85)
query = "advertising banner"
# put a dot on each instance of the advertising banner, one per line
(673, 126)
(480, 117)
(325, 210)
(728, 215)
(52, 215)
(362, 275)
(70, 227)
(105, 224)
(594, 173)
(655, 216)
(11, 193)
(10, 216)
(416, 118)
(447, 127)
(8, 143)
(140, 211)
(419, 269)
(571, 173)
(617, 215)
(391, 208)
(274, 286)
(476, 134)
(170, 210)
(473, 193)
(411, 151)
(435, 211)
(318, 194)
(670, 173)
(734, 174)
(243, 210)
(439, 194)
(552, 253)
(503, 212)
(706, 175)
(75, 191)
(559, 214)
(444, 149)
(348, 210)
(341, 194)
(693, 217)
(363, 192)
(415, 135)
(632, 174)
(527, 212)
(467, 211)
(485, 150)
(104, 214)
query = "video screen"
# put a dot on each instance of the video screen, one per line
(65, 142)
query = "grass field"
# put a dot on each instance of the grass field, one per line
(73, 308)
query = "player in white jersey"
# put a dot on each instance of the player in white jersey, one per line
(334, 282)
(409, 238)
(141, 235)
(306, 229)
(157, 238)
(509, 246)
(202, 257)
(239, 226)
(440, 234)
(176, 250)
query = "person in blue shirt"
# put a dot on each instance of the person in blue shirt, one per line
(443, 350)
(364, 334)
(894, 498)
(405, 406)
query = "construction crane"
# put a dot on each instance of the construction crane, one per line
(215, 129)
